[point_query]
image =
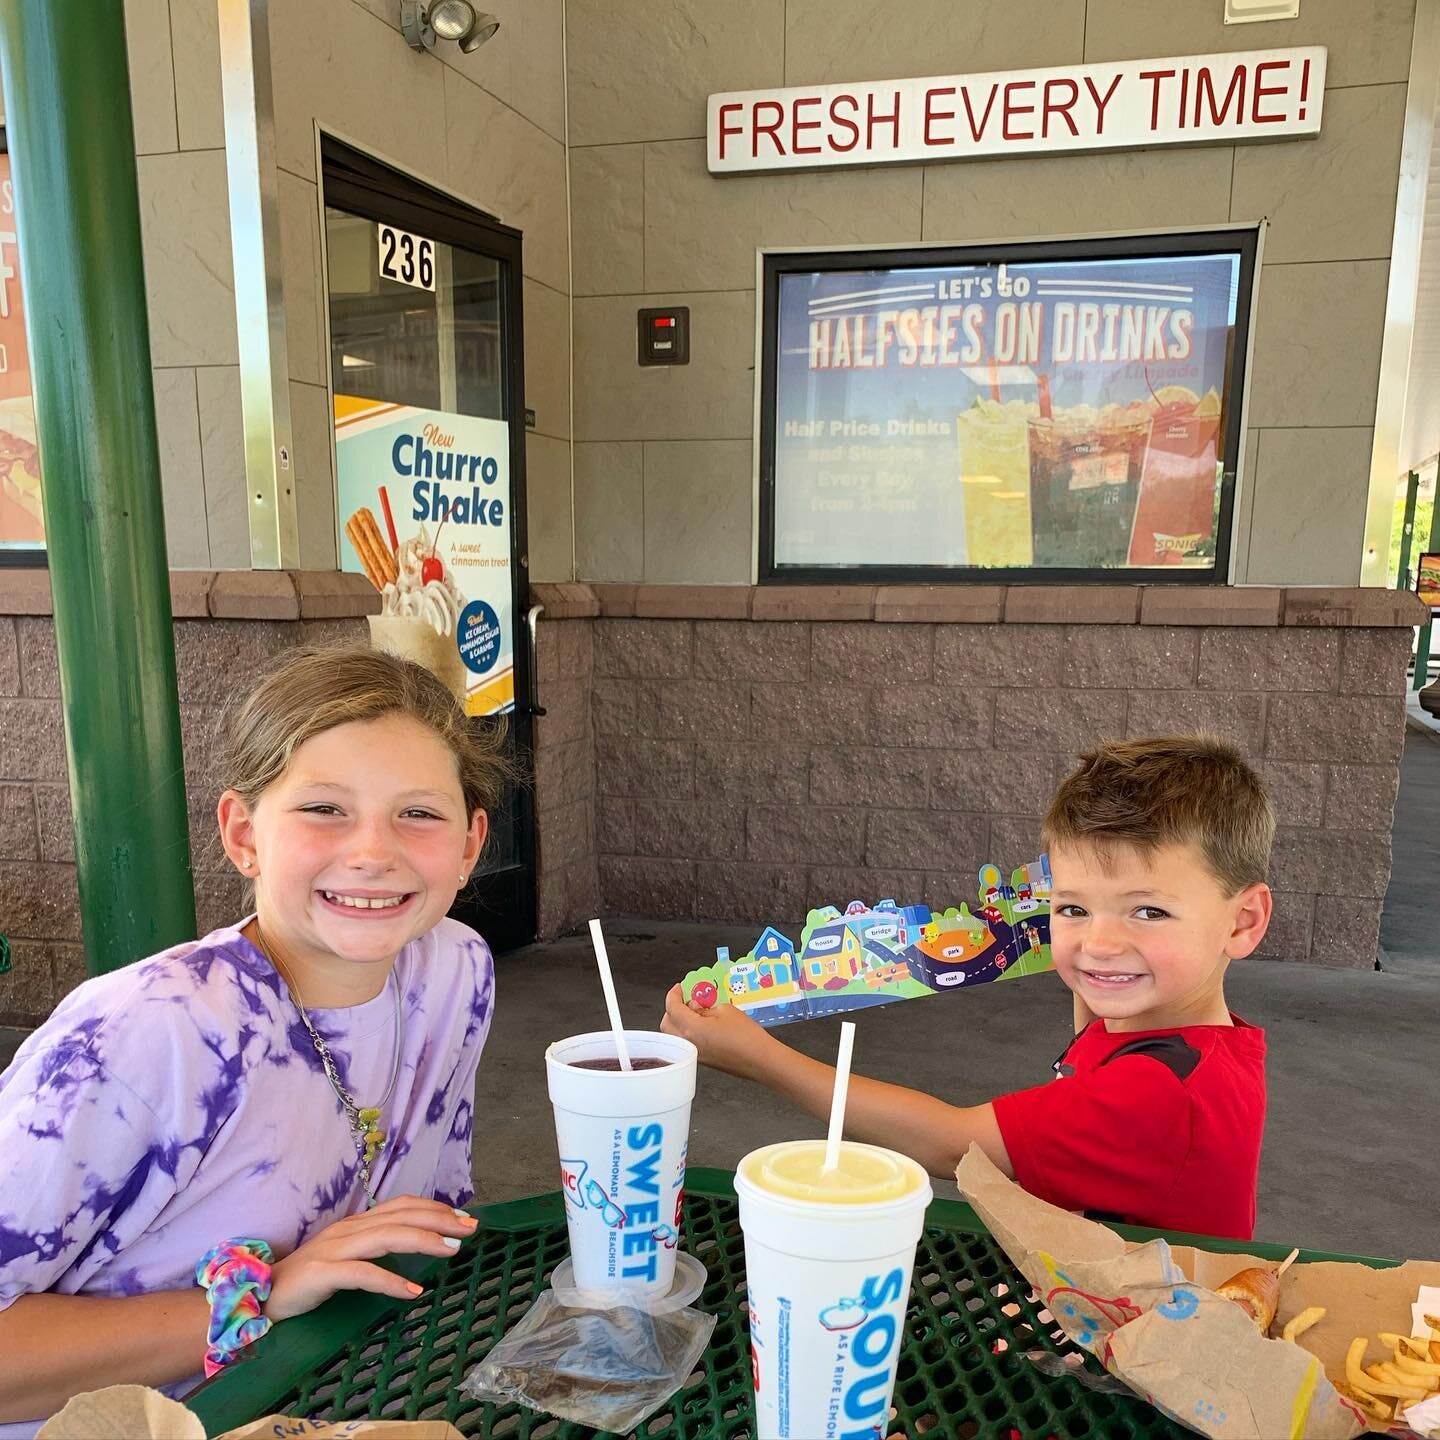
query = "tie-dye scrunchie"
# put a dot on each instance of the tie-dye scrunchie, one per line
(236, 1278)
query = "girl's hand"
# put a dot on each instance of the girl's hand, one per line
(339, 1257)
(726, 1038)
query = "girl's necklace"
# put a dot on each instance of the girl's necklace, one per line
(364, 1120)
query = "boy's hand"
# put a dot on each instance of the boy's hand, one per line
(726, 1038)
(339, 1256)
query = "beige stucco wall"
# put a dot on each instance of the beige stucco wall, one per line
(488, 126)
(663, 457)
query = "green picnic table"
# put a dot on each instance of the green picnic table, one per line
(361, 1356)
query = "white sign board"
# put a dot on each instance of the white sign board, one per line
(1117, 105)
(408, 258)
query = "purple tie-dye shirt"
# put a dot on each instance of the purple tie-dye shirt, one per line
(180, 1102)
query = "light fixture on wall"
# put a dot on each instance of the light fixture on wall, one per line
(1243, 12)
(423, 22)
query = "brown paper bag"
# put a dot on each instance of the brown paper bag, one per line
(1145, 1313)
(134, 1412)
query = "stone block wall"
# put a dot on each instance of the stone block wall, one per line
(227, 627)
(747, 769)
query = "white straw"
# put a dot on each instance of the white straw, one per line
(837, 1103)
(612, 1005)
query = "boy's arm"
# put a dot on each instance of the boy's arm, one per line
(918, 1125)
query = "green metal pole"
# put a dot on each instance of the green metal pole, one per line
(1407, 529)
(72, 147)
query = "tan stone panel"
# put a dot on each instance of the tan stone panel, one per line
(1361, 797)
(1347, 931)
(1317, 350)
(18, 836)
(1244, 512)
(1333, 197)
(333, 63)
(763, 650)
(708, 829)
(501, 162)
(39, 664)
(646, 649)
(1369, 40)
(522, 64)
(222, 448)
(549, 516)
(152, 75)
(185, 224)
(868, 776)
(702, 230)
(312, 428)
(698, 512)
(864, 654)
(1285, 660)
(1374, 662)
(806, 835)
(657, 889)
(305, 327)
(607, 198)
(547, 358)
(1235, 717)
(836, 40)
(199, 106)
(32, 741)
(641, 71)
(1102, 657)
(9, 658)
(1039, 196)
(182, 478)
(711, 398)
(609, 512)
(1310, 489)
(761, 894)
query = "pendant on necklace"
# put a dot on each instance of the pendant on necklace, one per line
(374, 1137)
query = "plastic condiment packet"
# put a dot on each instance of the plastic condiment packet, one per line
(1427, 1304)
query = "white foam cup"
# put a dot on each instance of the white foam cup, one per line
(622, 1137)
(828, 1288)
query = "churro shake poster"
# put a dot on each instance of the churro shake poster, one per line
(424, 513)
(1065, 413)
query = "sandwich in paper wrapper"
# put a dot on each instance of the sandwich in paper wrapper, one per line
(135, 1412)
(1148, 1314)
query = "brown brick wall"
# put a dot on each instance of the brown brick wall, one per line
(746, 770)
(39, 907)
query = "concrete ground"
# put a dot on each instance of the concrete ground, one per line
(1350, 1162)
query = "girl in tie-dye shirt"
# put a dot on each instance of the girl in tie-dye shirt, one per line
(183, 1101)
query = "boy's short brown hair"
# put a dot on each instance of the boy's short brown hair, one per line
(1169, 790)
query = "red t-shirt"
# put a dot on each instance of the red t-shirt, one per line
(1153, 1127)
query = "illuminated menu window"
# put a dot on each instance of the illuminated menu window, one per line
(1066, 408)
(22, 526)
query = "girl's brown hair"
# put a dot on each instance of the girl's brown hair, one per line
(1169, 790)
(308, 691)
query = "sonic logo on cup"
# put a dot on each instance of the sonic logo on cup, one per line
(872, 1338)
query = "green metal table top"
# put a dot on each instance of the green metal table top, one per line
(363, 1356)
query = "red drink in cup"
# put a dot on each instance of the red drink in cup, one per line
(1085, 468)
(1177, 492)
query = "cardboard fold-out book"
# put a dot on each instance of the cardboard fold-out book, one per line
(1149, 1313)
(135, 1412)
(868, 955)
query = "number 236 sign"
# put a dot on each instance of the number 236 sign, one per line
(408, 258)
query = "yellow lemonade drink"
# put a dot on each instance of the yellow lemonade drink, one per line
(864, 1176)
(995, 480)
(828, 1258)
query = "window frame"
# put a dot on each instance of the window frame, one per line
(1243, 241)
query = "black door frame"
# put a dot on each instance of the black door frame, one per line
(500, 904)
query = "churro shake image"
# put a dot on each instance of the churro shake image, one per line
(420, 604)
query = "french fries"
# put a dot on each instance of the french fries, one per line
(1302, 1322)
(1384, 1389)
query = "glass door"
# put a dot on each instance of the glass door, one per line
(426, 378)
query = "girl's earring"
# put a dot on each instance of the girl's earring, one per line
(463, 877)
(244, 864)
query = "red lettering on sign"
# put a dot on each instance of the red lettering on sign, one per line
(772, 129)
(872, 120)
(797, 125)
(1205, 93)
(728, 129)
(1101, 101)
(1010, 108)
(1262, 90)
(976, 133)
(837, 119)
(1155, 77)
(931, 113)
(1051, 107)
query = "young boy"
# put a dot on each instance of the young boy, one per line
(1158, 852)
